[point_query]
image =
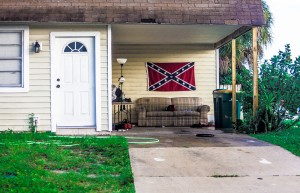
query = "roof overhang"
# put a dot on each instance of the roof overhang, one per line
(213, 36)
(209, 22)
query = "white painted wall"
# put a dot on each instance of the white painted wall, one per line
(15, 107)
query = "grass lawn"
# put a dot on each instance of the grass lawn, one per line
(288, 139)
(47, 163)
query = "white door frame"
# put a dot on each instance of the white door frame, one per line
(54, 57)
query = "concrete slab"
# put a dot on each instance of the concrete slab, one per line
(186, 137)
(215, 169)
(211, 161)
(281, 184)
(225, 163)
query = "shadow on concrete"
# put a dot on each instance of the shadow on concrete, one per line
(187, 137)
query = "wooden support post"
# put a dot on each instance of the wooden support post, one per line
(255, 69)
(233, 81)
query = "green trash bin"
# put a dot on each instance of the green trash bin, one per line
(223, 108)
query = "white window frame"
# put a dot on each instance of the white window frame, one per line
(25, 58)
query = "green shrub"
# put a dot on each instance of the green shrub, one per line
(279, 79)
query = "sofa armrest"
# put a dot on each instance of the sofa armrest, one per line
(141, 112)
(203, 109)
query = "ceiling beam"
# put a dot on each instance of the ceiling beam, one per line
(234, 35)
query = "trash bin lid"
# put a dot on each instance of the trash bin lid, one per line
(222, 91)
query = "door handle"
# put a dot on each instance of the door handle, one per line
(58, 80)
(58, 86)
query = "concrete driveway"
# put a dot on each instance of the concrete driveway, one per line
(225, 163)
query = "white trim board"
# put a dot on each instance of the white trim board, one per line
(25, 59)
(109, 71)
(96, 36)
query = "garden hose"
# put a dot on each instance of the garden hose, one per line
(135, 140)
(141, 140)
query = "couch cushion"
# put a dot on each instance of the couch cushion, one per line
(154, 103)
(160, 114)
(187, 103)
(186, 113)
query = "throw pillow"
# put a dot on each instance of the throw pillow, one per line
(170, 108)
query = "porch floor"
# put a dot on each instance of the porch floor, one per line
(186, 137)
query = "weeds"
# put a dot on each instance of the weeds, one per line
(32, 123)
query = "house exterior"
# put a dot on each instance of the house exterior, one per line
(67, 84)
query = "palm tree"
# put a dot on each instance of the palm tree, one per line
(244, 45)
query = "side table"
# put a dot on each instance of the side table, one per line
(121, 110)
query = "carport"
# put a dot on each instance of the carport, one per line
(182, 31)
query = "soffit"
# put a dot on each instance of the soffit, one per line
(170, 34)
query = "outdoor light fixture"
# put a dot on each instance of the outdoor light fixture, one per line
(37, 46)
(121, 80)
(121, 61)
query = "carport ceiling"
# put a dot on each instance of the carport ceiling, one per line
(170, 34)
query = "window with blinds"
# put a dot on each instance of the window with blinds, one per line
(11, 59)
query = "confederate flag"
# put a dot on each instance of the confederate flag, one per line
(171, 76)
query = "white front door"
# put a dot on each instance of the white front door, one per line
(75, 82)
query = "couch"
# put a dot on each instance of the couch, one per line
(188, 111)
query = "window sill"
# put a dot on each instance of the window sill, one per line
(11, 89)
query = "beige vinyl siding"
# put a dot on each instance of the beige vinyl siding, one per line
(15, 107)
(135, 74)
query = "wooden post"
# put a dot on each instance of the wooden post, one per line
(255, 70)
(233, 81)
